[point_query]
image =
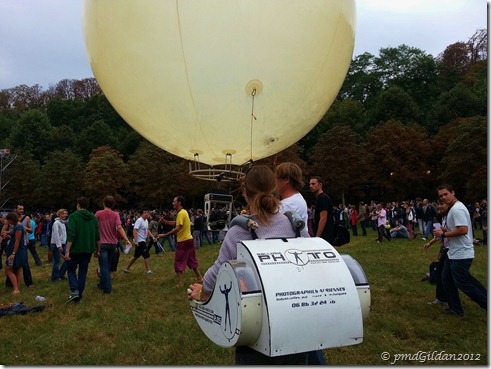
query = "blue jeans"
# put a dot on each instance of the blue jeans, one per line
(56, 270)
(214, 235)
(105, 256)
(429, 229)
(205, 234)
(456, 276)
(80, 260)
(171, 242)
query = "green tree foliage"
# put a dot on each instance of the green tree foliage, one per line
(59, 183)
(340, 159)
(400, 108)
(464, 163)
(66, 112)
(348, 111)
(96, 135)
(157, 177)
(8, 119)
(459, 102)
(98, 108)
(154, 173)
(61, 137)
(128, 141)
(31, 134)
(396, 104)
(363, 81)
(21, 179)
(105, 174)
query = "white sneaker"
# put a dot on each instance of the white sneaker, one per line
(126, 270)
(437, 302)
(424, 239)
(150, 272)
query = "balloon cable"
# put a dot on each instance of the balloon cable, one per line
(253, 117)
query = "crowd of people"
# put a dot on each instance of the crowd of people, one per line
(73, 239)
(404, 219)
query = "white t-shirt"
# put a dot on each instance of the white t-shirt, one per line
(297, 204)
(460, 247)
(141, 225)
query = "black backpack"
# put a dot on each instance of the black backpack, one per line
(341, 235)
(433, 278)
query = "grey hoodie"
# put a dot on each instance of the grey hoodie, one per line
(58, 233)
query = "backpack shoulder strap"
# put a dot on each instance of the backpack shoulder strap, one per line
(296, 221)
(247, 223)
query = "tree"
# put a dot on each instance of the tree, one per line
(398, 157)
(362, 80)
(454, 60)
(410, 69)
(66, 112)
(395, 104)
(478, 45)
(31, 134)
(334, 159)
(21, 179)
(8, 119)
(96, 135)
(348, 111)
(464, 164)
(158, 176)
(459, 102)
(106, 174)
(61, 137)
(71, 89)
(128, 140)
(60, 180)
(98, 107)
(25, 97)
(289, 154)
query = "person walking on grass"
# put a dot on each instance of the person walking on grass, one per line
(440, 299)
(82, 241)
(111, 231)
(140, 234)
(185, 250)
(58, 245)
(456, 271)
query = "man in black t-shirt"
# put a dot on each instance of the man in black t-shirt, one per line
(324, 217)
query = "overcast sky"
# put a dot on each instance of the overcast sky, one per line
(41, 41)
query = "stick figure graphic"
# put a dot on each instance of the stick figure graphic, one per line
(297, 259)
(225, 292)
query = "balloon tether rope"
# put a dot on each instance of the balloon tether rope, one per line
(253, 117)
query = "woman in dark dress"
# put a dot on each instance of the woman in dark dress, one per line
(16, 252)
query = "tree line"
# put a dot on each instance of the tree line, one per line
(403, 122)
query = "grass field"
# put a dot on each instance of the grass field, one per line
(147, 321)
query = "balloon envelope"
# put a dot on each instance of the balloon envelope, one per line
(214, 77)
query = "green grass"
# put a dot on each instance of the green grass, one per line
(146, 321)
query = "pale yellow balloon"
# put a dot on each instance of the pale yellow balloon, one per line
(182, 73)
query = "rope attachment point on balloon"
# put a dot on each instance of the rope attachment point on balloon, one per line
(253, 88)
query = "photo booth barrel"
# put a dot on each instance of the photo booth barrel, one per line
(283, 296)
